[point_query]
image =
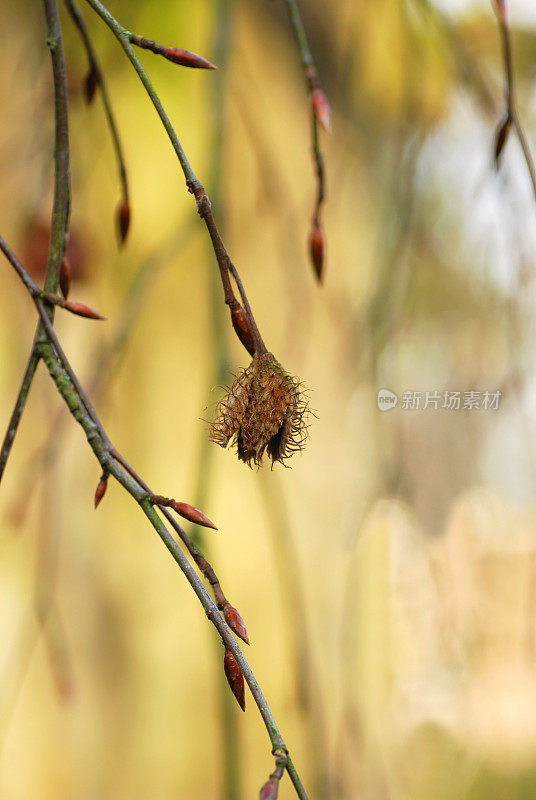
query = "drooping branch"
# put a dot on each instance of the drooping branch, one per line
(50, 350)
(511, 118)
(320, 117)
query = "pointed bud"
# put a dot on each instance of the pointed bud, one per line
(316, 250)
(193, 515)
(90, 84)
(65, 276)
(269, 790)
(81, 310)
(123, 220)
(235, 679)
(500, 7)
(185, 58)
(235, 622)
(101, 489)
(321, 108)
(501, 137)
(241, 326)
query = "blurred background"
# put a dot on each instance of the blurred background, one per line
(387, 580)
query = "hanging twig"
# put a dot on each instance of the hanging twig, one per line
(320, 116)
(60, 212)
(511, 117)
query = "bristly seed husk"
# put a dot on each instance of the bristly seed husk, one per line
(264, 411)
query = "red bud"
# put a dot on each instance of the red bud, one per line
(501, 137)
(90, 83)
(123, 220)
(101, 489)
(235, 679)
(185, 58)
(269, 790)
(81, 310)
(241, 326)
(500, 6)
(65, 276)
(235, 622)
(175, 54)
(188, 512)
(321, 108)
(193, 515)
(316, 249)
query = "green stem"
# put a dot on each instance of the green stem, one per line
(299, 33)
(60, 212)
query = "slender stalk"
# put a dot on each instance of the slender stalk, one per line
(313, 85)
(95, 69)
(60, 212)
(299, 33)
(68, 386)
(512, 113)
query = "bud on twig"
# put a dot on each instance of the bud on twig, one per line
(81, 310)
(316, 250)
(270, 790)
(175, 54)
(123, 220)
(185, 58)
(501, 137)
(241, 326)
(101, 489)
(90, 83)
(500, 7)
(321, 108)
(65, 276)
(193, 515)
(235, 622)
(235, 679)
(185, 510)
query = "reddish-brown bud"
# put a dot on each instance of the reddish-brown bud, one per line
(501, 137)
(81, 310)
(241, 326)
(269, 790)
(185, 58)
(65, 276)
(90, 84)
(500, 7)
(316, 249)
(193, 514)
(235, 679)
(101, 489)
(123, 220)
(235, 622)
(321, 108)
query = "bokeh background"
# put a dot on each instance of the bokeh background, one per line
(387, 580)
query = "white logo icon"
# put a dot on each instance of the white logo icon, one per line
(386, 399)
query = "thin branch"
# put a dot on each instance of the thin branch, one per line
(320, 116)
(512, 115)
(62, 374)
(95, 70)
(60, 212)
